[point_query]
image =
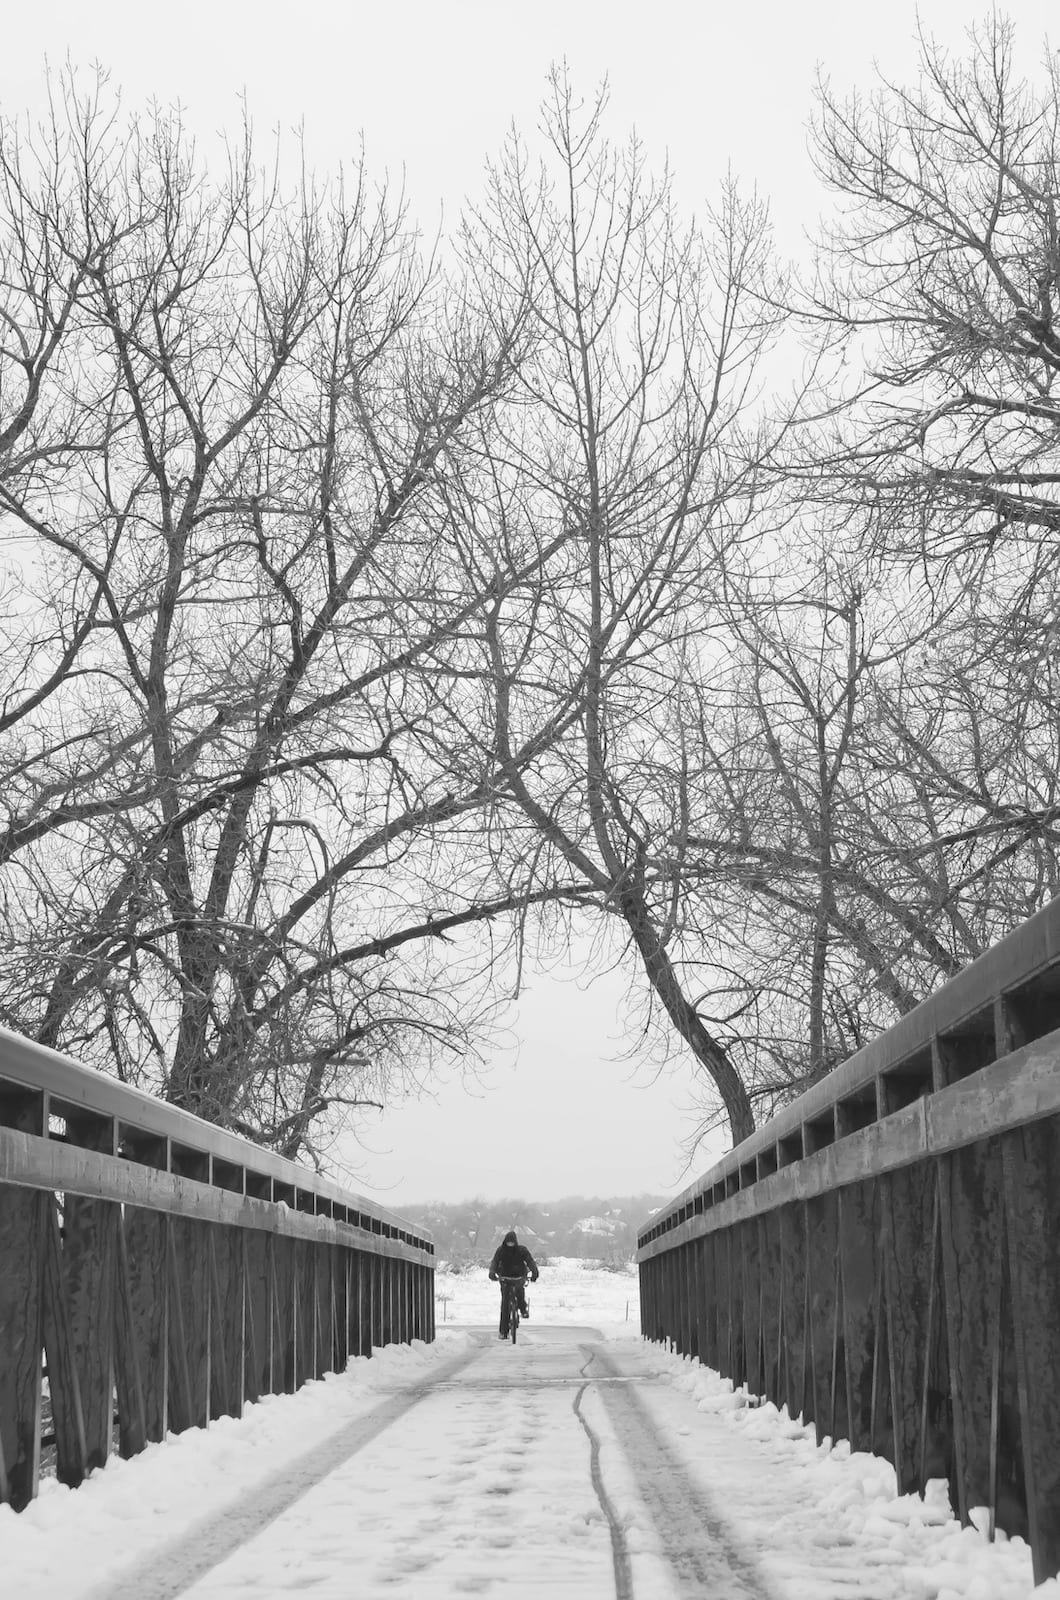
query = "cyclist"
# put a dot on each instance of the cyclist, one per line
(512, 1260)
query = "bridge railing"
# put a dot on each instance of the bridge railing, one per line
(883, 1256)
(157, 1271)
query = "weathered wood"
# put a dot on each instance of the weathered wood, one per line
(1029, 949)
(907, 1200)
(706, 1308)
(380, 1310)
(857, 1224)
(257, 1376)
(181, 1399)
(973, 1232)
(793, 1290)
(366, 1316)
(931, 1334)
(149, 1299)
(175, 1296)
(22, 1220)
(1022, 1089)
(89, 1276)
(28, 1161)
(225, 1268)
(323, 1357)
(1031, 1160)
(822, 1249)
(44, 1071)
(285, 1320)
(132, 1417)
(68, 1423)
(340, 1320)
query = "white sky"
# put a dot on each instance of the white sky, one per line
(434, 87)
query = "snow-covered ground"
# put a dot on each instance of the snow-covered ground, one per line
(472, 1467)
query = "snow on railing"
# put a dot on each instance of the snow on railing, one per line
(883, 1256)
(157, 1271)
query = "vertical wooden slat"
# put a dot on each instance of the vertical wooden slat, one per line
(857, 1244)
(322, 1353)
(181, 1400)
(257, 1380)
(64, 1388)
(89, 1262)
(936, 1458)
(908, 1202)
(972, 1235)
(128, 1370)
(838, 1406)
(1031, 1160)
(22, 1218)
(793, 1290)
(771, 1301)
(285, 1315)
(146, 1243)
(822, 1248)
(226, 1322)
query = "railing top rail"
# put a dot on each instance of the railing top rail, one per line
(999, 973)
(72, 1087)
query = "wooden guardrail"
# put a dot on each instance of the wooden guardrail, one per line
(883, 1256)
(167, 1271)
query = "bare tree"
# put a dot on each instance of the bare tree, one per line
(632, 435)
(937, 292)
(235, 751)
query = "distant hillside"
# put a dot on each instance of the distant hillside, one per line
(467, 1232)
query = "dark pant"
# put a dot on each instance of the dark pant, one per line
(520, 1289)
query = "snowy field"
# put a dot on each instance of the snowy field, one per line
(567, 1291)
(471, 1467)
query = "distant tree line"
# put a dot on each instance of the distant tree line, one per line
(367, 613)
(467, 1232)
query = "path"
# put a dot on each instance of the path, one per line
(515, 1472)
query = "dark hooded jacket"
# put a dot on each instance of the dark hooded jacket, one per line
(512, 1260)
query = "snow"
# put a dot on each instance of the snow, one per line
(472, 1467)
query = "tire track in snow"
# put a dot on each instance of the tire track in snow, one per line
(172, 1568)
(705, 1557)
(619, 1550)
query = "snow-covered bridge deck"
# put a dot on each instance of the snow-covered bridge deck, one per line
(571, 1465)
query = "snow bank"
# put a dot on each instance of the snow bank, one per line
(830, 1520)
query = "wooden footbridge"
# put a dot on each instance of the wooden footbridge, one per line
(883, 1257)
(156, 1271)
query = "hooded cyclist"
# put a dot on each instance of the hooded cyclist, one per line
(512, 1260)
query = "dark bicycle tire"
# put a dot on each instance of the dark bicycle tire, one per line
(513, 1318)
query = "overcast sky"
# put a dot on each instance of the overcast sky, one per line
(433, 87)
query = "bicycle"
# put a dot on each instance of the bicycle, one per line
(510, 1301)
